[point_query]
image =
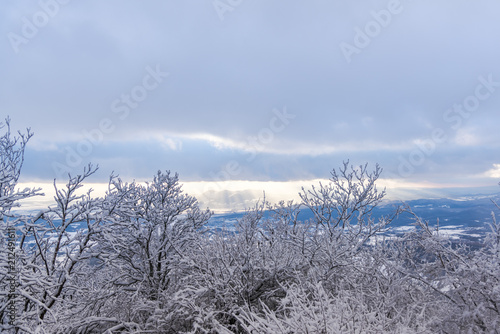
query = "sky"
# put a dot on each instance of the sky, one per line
(244, 97)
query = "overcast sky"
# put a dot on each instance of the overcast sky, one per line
(257, 90)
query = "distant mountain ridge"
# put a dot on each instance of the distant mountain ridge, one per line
(462, 217)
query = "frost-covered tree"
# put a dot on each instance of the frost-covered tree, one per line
(454, 287)
(12, 149)
(144, 249)
(343, 224)
(343, 206)
(11, 161)
(242, 266)
(56, 248)
(250, 270)
(309, 308)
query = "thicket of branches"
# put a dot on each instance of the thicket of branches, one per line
(141, 260)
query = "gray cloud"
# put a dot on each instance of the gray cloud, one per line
(226, 77)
